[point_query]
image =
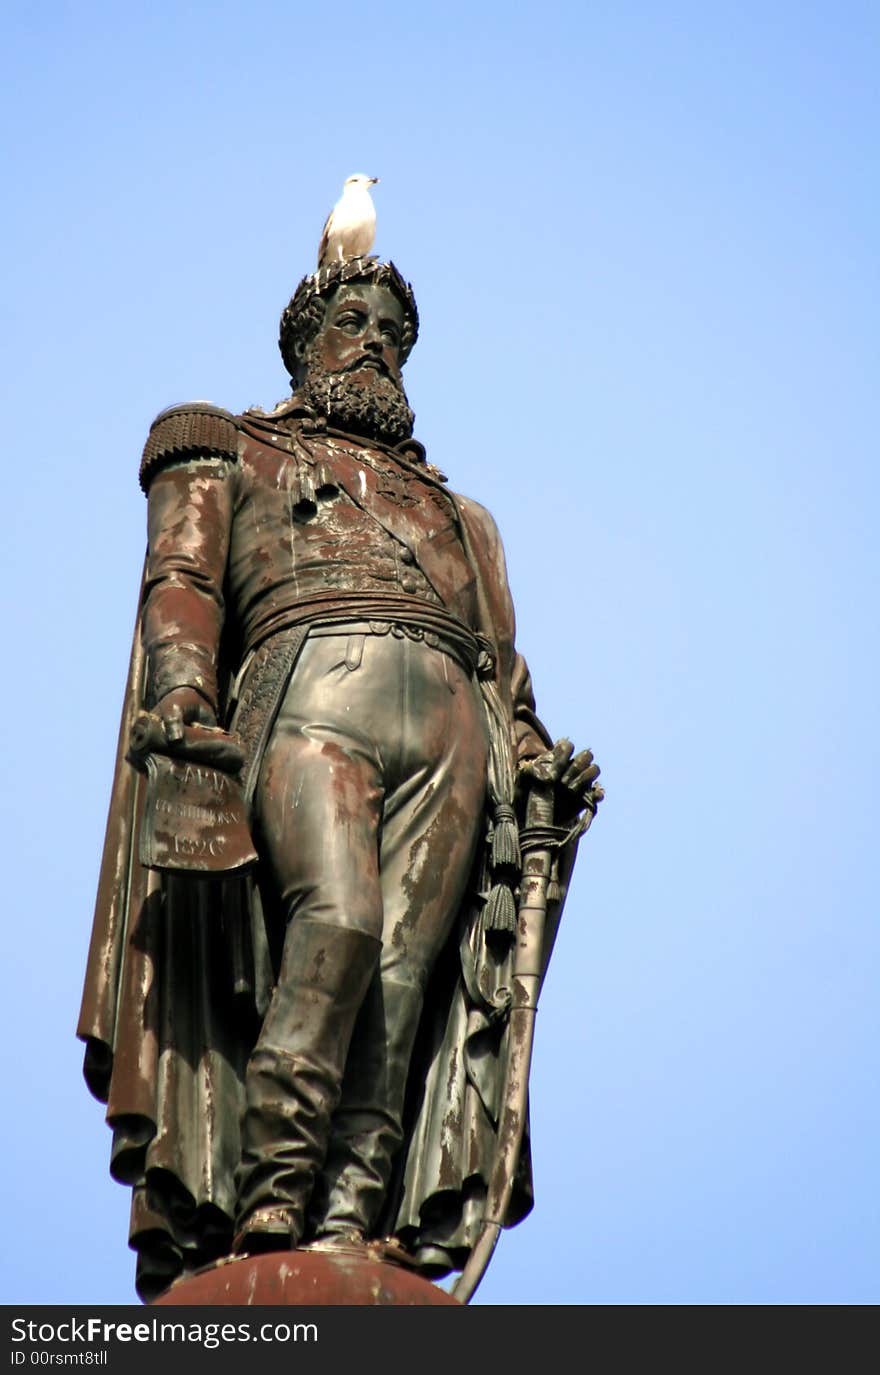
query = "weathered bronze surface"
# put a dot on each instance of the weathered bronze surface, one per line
(328, 1047)
(311, 1279)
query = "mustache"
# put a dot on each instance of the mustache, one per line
(369, 360)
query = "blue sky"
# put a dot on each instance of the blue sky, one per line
(643, 241)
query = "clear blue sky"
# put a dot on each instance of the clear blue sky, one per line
(643, 238)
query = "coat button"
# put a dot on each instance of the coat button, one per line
(408, 585)
(406, 557)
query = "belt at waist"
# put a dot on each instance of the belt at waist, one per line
(455, 646)
(379, 614)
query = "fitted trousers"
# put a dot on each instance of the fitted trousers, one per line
(370, 806)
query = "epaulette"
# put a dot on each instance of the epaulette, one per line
(194, 430)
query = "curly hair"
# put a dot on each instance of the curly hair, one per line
(304, 314)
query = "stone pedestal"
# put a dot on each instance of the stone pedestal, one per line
(305, 1278)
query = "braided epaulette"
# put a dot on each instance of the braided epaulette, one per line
(194, 430)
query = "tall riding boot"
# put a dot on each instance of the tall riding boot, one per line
(294, 1078)
(366, 1130)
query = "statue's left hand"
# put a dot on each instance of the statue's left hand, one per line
(574, 777)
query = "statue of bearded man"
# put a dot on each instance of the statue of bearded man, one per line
(310, 1053)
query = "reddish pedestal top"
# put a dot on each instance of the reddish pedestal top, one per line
(295, 1278)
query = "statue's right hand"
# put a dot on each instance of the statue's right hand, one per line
(183, 706)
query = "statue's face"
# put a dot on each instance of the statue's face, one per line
(361, 333)
(351, 369)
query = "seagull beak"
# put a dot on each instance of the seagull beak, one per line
(374, 181)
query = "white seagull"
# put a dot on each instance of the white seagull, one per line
(351, 224)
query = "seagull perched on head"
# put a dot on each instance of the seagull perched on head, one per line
(351, 224)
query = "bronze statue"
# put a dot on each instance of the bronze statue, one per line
(331, 789)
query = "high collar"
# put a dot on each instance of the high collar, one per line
(294, 413)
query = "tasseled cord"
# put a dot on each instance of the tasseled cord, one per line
(505, 837)
(500, 912)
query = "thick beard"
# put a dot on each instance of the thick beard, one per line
(377, 409)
